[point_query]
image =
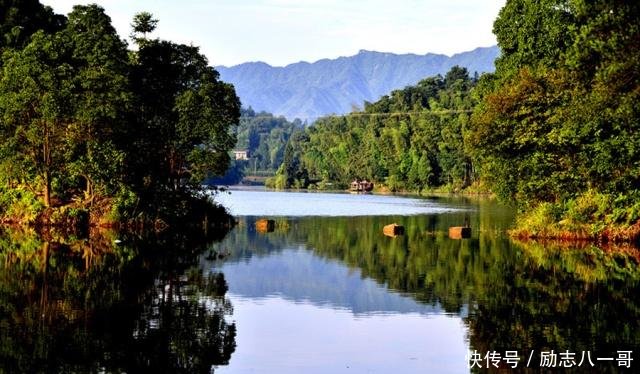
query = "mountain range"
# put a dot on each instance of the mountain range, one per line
(336, 86)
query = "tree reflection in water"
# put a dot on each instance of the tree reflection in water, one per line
(512, 296)
(69, 305)
(147, 305)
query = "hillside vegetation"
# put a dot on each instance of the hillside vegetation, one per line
(411, 139)
(555, 130)
(558, 128)
(264, 137)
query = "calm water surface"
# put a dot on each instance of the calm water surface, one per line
(324, 292)
(258, 202)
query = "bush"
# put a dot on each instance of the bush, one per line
(589, 207)
(591, 214)
(20, 204)
(278, 182)
(540, 219)
(394, 183)
(125, 205)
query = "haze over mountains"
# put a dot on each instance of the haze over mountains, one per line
(311, 90)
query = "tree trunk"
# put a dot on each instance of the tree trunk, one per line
(88, 193)
(47, 189)
(46, 158)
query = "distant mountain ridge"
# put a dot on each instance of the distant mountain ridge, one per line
(310, 90)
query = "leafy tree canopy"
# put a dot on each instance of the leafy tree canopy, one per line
(83, 118)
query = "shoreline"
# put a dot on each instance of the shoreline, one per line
(610, 234)
(70, 219)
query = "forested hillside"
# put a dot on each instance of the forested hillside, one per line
(265, 137)
(558, 127)
(555, 130)
(410, 139)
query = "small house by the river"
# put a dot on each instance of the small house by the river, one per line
(361, 185)
(241, 154)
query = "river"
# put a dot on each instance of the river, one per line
(326, 291)
(322, 291)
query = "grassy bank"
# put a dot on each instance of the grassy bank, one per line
(123, 211)
(592, 216)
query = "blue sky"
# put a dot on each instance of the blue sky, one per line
(281, 32)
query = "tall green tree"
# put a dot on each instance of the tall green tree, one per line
(35, 95)
(292, 167)
(184, 117)
(101, 96)
(144, 23)
(533, 32)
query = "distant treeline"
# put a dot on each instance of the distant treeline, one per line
(87, 125)
(264, 137)
(410, 139)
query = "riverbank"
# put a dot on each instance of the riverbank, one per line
(157, 214)
(565, 230)
(592, 216)
(478, 189)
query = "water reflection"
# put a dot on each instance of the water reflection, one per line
(70, 305)
(563, 298)
(317, 294)
(300, 276)
(510, 296)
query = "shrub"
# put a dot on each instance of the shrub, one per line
(539, 220)
(20, 204)
(125, 205)
(589, 207)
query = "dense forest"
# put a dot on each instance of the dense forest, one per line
(555, 129)
(410, 139)
(558, 126)
(264, 137)
(88, 125)
(90, 128)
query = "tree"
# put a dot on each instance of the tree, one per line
(101, 98)
(532, 32)
(292, 165)
(456, 74)
(143, 23)
(183, 125)
(19, 19)
(35, 97)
